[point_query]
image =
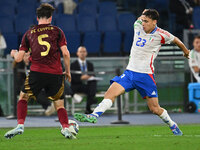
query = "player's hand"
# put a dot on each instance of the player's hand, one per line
(144, 10)
(13, 52)
(187, 54)
(68, 76)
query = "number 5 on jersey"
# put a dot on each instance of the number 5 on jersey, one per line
(41, 42)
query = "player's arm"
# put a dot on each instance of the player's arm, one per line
(66, 58)
(138, 22)
(17, 55)
(140, 18)
(182, 47)
(196, 69)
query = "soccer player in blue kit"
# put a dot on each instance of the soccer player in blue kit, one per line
(139, 73)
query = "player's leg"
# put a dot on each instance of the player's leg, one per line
(22, 107)
(111, 94)
(119, 84)
(62, 113)
(55, 92)
(146, 86)
(114, 90)
(21, 115)
(32, 86)
(67, 130)
(155, 108)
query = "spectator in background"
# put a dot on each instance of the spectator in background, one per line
(183, 10)
(197, 2)
(3, 45)
(69, 6)
(81, 78)
(194, 61)
(2, 48)
(54, 2)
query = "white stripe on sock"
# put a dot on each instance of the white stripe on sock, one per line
(166, 118)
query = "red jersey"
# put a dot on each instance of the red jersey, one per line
(44, 41)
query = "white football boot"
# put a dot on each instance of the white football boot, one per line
(16, 131)
(69, 132)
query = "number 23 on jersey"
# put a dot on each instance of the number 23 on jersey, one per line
(140, 42)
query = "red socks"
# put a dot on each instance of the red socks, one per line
(63, 118)
(21, 111)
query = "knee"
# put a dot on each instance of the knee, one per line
(59, 107)
(155, 110)
(23, 96)
(109, 95)
(58, 104)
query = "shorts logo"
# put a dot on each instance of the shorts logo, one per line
(153, 93)
(123, 75)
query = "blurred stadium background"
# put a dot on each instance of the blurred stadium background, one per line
(105, 28)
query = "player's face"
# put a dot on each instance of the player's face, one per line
(82, 53)
(196, 44)
(148, 24)
(26, 58)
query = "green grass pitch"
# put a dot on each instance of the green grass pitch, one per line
(105, 138)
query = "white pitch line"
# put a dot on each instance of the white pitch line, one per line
(184, 135)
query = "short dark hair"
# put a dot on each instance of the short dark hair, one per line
(152, 14)
(45, 10)
(197, 37)
(82, 46)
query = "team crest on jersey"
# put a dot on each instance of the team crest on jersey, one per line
(138, 33)
(151, 39)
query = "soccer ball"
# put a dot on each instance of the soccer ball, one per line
(75, 125)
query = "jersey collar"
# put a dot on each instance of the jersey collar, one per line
(80, 61)
(154, 30)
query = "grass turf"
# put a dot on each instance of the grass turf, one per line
(105, 138)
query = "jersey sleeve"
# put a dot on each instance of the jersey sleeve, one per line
(62, 40)
(168, 37)
(192, 60)
(24, 46)
(138, 24)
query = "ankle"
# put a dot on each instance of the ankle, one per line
(65, 126)
(20, 125)
(95, 115)
(172, 123)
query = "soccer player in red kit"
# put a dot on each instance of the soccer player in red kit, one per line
(45, 42)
